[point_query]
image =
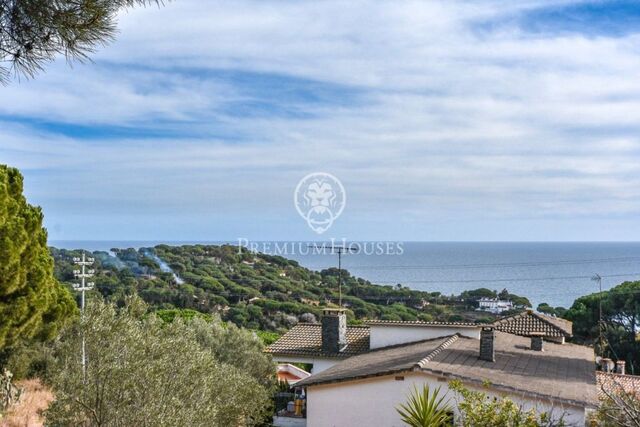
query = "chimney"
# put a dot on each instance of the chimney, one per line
(487, 351)
(620, 367)
(334, 330)
(536, 341)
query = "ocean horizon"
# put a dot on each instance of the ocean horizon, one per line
(553, 272)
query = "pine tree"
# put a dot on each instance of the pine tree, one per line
(34, 32)
(32, 303)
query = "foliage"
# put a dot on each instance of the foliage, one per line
(143, 371)
(267, 337)
(34, 32)
(168, 315)
(425, 409)
(620, 408)
(29, 359)
(254, 291)
(621, 322)
(477, 409)
(553, 311)
(32, 302)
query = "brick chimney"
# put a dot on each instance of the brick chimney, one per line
(620, 367)
(487, 351)
(537, 341)
(334, 330)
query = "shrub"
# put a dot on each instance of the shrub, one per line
(143, 371)
(425, 409)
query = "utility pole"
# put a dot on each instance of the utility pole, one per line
(339, 250)
(83, 274)
(598, 278)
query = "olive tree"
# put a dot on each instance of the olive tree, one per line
(478, 409)
(142, 371)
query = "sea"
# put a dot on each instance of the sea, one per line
(553, 272)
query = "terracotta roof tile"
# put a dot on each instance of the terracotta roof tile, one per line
(305, 339)
(614, 383)
(529, 322)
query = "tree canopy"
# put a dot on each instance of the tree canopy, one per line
(620, 326)
(255, 291)
(33, 32)
(142, 371)
(32, 302)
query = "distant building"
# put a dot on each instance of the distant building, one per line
(494, 305)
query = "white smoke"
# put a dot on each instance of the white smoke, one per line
(164, 267)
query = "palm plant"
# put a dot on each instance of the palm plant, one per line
(425, 409)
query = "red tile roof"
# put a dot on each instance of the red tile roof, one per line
(305, 339)
(528, 322)
(612, 383)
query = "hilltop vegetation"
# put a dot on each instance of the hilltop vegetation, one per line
(258, 291)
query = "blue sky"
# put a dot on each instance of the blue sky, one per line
(450, 120)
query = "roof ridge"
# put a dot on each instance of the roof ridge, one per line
(446, 343)
(558, 325)
(543, 317)
(419, 323)
(616, 374)
(508, 318)
(320, 324)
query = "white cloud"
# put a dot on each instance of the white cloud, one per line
(449, 118)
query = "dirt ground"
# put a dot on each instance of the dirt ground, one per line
(35, 398)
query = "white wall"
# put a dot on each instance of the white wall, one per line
(372, 402)
(319, 365)
(381, 336)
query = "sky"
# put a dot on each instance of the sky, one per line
(444, 121)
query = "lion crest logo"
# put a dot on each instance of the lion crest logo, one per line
(320, 199)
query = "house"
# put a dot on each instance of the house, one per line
(363, 373)
(290, 373)
(321, 344)
(528, 322)
(494, 305)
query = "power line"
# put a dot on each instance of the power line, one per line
(83, 274)
(339, 250)
(517, 279)
(485, 265)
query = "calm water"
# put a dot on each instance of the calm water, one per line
(556, 273)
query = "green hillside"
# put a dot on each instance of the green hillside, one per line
(256, 291)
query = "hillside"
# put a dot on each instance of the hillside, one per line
(256, 291)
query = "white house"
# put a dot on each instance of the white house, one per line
(494, 305)
(365, 387)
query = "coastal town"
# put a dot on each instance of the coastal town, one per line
(292, 213)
